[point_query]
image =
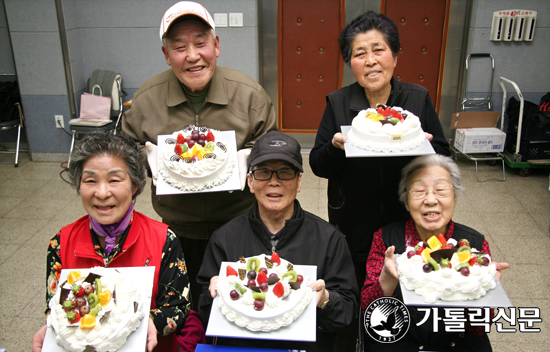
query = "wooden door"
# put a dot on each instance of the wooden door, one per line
(423, 27)
(309, 62)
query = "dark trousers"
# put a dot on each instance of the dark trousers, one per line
(193, 251)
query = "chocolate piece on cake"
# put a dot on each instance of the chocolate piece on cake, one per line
(290, 267)
(295, 285)
(268, 263)
(254, 288)
(136, 305)
(446, 253)
(241, 259)
(64, 294)
(272, 279)
(114, 295)
(91, 278)
(104, 317)
(242, 274)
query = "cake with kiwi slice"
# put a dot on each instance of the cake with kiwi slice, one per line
(270, 296)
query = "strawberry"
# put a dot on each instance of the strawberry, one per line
(78, 291)
(73, 316)
(463, 242)
(275, 258)
(178, 150)
(231, 272)
(380, 110)
(262, 277)
(446, 246)
(68, 306)
(387, 111)
(418, 248)
(442, 239)
(279, 289)
(181, 138)
(393, 112)
(210, 137)
(400, 117)
(445, 263)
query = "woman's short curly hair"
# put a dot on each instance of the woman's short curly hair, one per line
(364, 23)
(425, 161)
(108, 144)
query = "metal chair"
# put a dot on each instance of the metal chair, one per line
(112, 126)
(19, 123)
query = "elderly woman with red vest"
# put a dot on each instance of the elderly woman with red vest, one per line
(108, 172)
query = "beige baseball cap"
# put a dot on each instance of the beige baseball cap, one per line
(184, 8)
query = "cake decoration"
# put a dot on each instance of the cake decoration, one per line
(446, 270)
(267, 298)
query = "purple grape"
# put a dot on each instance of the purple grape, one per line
(202, 136)
(264, 271)
(427, 268)
(84, 310)
(410, 254)
(234, 295)
(251, 275)
(201, 142)
(485, 261)
(80, 301)
(258, 304)
(264, 287)
(251, 282)
(465, 271)
(195, 135)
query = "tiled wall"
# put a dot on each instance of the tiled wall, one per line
(122, 35)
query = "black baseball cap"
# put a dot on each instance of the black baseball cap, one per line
(275, 145)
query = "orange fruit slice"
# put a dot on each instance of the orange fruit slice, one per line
(105, 297)
(87, 322)
(434, 243)
(463, 256)
(426, 254)
(73, 276)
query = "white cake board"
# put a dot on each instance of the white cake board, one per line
(493, 299)
(233, 182)
(142, 277)
(302, 329)
(354, 152)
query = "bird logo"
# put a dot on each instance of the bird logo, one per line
(387, 319)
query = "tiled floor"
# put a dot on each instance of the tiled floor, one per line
(35, 203)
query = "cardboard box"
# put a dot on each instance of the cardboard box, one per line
(476, 132)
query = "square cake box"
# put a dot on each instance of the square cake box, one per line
(142, 277)
(476, 132)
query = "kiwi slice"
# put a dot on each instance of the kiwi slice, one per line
(258, 295)
(433, 263)
(253, 264)
(239, 288)
(462, 265)
(291, 274)
(465, 248)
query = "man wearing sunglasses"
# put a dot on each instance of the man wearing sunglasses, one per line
(277, 223)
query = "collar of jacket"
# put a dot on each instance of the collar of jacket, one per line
(359, 99)
(291, 225)
(216, 92)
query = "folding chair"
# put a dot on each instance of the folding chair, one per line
(17, 122)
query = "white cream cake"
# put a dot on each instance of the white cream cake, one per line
(458, 279)
(280, 304)
(198, 163)
(386, 130)
(119, 314)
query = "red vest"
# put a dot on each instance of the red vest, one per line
(144, 244)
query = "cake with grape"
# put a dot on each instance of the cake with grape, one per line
(95, 310)
(450, 271)
(262, 293)
(386, 129)
(196, 158)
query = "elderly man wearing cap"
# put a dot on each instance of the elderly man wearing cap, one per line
(278, 223)
(197, 91)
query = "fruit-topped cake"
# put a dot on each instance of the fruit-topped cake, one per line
(446, 270)
(94, 310)
(386, 129)
(263, 293)
(196, 158)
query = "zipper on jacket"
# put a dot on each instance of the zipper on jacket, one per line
(197, 120)
(272, 249)
(147, 262)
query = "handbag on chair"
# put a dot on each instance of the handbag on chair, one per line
(95, 107)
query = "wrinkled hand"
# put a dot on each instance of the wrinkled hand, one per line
(242, 157)
(152, 160)
(322, 293)
(338, 140)
(388, 276)
(38, 339)
(501, 266)
(212, 286)
(429, 136)
(151, 336)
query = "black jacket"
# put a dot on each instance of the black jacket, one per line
(362, 192)
(307, 240)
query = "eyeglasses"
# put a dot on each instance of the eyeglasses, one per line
(282, 174)
(440, 192)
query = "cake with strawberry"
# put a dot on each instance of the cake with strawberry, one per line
(262, 293)
(450, 271)
(196, 158)
(95, 310)
(386, 129)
